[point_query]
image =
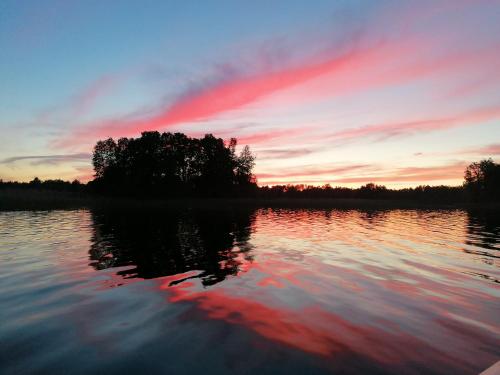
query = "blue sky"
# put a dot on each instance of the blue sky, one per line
(340, 92)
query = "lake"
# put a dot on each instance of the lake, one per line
(268, 291)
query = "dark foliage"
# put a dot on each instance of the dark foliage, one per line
(482, 180)
(172, 165)
(441, 194)
(48, 185)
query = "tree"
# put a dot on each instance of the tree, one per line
(36, 182)
(371, 190)
(104, 156)
(171, 164)
(482, 179)
(244, 166)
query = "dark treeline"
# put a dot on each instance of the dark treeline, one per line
(173, 165)
(445, 194)
(57, 185)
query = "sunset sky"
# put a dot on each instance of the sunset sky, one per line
(400, 93)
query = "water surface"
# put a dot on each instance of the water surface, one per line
(245, 291)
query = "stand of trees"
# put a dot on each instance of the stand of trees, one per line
(172, 165)
(482, 180)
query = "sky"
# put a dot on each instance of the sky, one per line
(400, 93)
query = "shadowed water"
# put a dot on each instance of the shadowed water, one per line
(247, 291)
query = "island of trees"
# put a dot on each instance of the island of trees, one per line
(173, 165)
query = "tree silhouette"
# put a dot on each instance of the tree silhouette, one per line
(172, 164)
(482, 179)
(245, 164)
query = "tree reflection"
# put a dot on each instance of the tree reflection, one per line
(154, 243)
(483, 234)
(483, 229)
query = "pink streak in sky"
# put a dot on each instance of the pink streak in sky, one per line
(384, 131)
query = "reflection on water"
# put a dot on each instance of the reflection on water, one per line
(273, 291)
(156, 244)
(482, 235)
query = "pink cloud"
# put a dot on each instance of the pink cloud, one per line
(79, 104)
(255, 138)
(237, 91)
(413, 174)
(220, 98)
(362, 68)
(493, 149)
(95, 90)
(417, 175)
(283, 153)
(387, 130)
(265, 137)
(311, 170)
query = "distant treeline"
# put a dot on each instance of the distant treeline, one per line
(173, 165)
(448, 194)
(47, 185)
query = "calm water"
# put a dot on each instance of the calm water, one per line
(249, 291)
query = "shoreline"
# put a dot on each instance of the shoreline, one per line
(16, 200)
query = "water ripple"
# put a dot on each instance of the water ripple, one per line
(268, 290)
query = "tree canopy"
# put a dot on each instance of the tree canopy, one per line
(172, 164)
(482, 180)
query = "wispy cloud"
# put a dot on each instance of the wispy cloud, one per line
(492, 149)
(365, 173)
(313, 170)
(262, 137)
(453, 171)
(380, 132)
(49, 159)
(82, 101)
(283, 153)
